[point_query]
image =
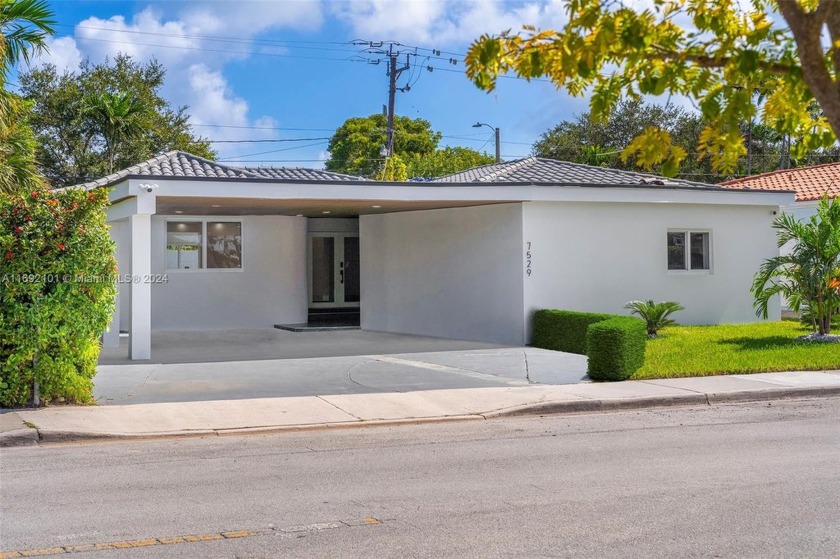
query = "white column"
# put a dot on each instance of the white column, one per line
(140, 337)
(111, 337)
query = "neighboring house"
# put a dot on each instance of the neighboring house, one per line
(468, 256)
(809, 183)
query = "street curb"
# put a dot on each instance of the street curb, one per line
(19, 437)
(47, 436)
(773, 394)
(22, 437)
(710, 398)
(597, 405)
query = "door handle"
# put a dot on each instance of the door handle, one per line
(341, 272)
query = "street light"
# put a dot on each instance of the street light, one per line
(496, 130)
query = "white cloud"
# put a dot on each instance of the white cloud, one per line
(442, 22)
(193, 45)
(63, 53)
(249, 18)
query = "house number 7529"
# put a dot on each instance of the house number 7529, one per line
(528, 269)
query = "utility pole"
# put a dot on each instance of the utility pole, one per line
(393, 74)
(392, 93)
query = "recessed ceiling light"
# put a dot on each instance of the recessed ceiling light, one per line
(179, 211)
(376, 206)
(326, 212)
(215, 205)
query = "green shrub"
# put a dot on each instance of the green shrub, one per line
(563, 330)
(57, 290)
(616, 348)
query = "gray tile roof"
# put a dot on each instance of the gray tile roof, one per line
(173, 164)
(182, 164)
(300, 174)
(538, 170)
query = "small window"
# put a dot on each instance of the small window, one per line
(196, 245)
(183, 245)
(688, 250)
(224, 244)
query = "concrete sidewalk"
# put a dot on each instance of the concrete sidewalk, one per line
(274, 414)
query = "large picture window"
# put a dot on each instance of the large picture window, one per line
(689, 250)
(195, 245)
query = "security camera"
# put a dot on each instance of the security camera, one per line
(148, 187)
(774, 212)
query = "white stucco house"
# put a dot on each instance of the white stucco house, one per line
(809, 184)
(469, 256)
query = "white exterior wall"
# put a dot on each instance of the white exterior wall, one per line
(801, 211)
(453, 273)
(269, 289)
(598, 256)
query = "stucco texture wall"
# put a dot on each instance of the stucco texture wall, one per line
(269, 289)
(598, 256)
(454, 273)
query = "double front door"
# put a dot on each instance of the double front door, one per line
(333, 270)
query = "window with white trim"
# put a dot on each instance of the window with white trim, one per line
(689, 250)
(196, 245)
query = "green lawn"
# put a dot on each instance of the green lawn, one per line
(688, 351)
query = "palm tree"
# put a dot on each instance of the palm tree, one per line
(24, 27)
(655, 315)
(117, 116)
(809, 276)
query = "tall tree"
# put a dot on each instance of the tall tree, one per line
(356, 146)
(118, 117)
(356, 149)
(595, 142)
(24, 27)
(719, 57)
(74, 140)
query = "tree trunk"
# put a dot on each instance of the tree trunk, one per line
(807, 30)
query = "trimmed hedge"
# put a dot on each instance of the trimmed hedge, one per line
(616, 348)
(564, 330)
(614, 344)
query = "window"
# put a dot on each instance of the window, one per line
(688, 250)
(224, 244)
(194, 245)
(183, 245)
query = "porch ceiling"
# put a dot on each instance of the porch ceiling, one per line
(189, 205)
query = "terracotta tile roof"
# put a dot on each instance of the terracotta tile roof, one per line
(809, 183)
(540, 170)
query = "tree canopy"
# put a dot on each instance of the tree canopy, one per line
(356, 146)
(588, 140)
(737, 65)
(104, 117)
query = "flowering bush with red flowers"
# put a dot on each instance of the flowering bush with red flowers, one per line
(57, 291)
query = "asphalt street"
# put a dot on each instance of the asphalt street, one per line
(747, 480)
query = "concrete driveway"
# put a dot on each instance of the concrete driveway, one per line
(241, 364)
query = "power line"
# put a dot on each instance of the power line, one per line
(276, 150)
(272, 140)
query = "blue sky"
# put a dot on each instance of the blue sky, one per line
(269, 70)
